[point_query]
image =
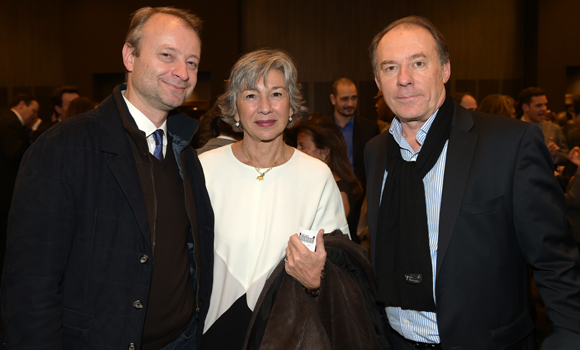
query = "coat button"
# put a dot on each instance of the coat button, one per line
(138, 304)
(143, 259)
(131, 346)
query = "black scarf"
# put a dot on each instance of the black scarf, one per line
(404, 269)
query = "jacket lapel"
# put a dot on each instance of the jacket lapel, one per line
(374, 187)
(123, 169)
(460, 151)
(114, 140)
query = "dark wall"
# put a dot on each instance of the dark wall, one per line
(558, 48)
(31, 59)
(330, 39)
(94, 33)
(53, 42)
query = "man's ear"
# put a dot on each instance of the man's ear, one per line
(446, 72)
(378, 82)
(525, 107)
(58, 109)
(21, 105)
(128, 56)
(333, 99)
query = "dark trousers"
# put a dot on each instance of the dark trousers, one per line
(398, 341)
(187, 339)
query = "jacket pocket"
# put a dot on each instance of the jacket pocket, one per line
(506, 336)
(75, 328)
(483, 207)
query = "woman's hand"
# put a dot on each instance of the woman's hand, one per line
(574, 155)
(302, 264)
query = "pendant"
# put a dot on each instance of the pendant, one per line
(260, 178)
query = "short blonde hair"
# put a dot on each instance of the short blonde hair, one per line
(140, 17)
(246, 72)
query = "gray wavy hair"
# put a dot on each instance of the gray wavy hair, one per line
(246, 72)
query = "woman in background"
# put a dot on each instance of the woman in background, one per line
(221, 133)
(498, 104)
(321, 138)
(77, 106)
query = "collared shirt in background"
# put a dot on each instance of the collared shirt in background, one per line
(19, 116)
(348, 133)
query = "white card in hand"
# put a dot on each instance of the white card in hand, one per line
(308, 238)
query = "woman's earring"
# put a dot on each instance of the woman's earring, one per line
(290, 119)
(238, 124)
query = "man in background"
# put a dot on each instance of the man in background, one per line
(14, 141)
(465, 100)
(61, 99)
(357, 131)
(573, 136)
(534, 105)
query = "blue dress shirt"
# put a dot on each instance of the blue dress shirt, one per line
(348, 135)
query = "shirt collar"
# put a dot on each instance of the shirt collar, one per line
(143, 123)
(36, 124)
(350, 122)
(527, 121)
(396, 130)
(19, 116)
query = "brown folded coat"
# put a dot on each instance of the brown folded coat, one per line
(337, 319)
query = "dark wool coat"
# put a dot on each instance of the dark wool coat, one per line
(79, 257)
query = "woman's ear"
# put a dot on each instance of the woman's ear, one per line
(325, 152)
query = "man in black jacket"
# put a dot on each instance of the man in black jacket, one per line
(14, 141)
(460, 203)
(121, 256)
(357, 131)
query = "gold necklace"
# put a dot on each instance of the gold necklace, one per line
(261, 176)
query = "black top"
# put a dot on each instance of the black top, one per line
(229, 330)
(343, 186)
